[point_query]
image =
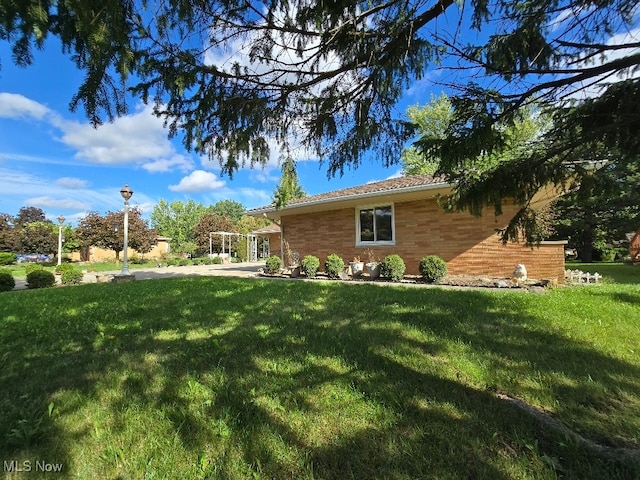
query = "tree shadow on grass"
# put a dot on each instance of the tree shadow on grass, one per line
(235, 378)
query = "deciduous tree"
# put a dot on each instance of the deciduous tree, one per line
(7, 240)
(177, 220)
(108, 231)
(37, 237)
(212, 222)
(230, 209)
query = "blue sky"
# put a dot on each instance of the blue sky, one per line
(55, 160)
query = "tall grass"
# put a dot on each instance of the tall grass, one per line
(230, 378)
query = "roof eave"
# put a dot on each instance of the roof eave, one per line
(359, 196)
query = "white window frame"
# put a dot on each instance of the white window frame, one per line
(360, 243)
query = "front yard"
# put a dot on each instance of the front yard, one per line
(232, 378)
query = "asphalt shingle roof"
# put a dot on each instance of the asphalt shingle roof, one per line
(390, 185)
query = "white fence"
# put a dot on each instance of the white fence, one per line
(578, 276)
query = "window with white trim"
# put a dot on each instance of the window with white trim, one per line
(375, 225)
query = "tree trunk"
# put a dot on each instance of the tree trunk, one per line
(585, 246)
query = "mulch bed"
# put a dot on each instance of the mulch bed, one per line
(472, 281)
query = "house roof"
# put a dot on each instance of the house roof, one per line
(407, 184)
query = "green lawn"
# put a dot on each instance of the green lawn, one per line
(18, 270)
(617, 272)
(244, 378)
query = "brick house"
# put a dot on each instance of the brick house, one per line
(97, 254)
(402, 216)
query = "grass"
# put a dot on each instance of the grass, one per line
(244, 378)
(18, 270)
(616, 272)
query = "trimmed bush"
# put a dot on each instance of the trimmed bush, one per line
(33, 267)
(273, 265)
(40, 279)
(217, 260)
(393, 267)
(433, 268)
(7, 258)
(207, 261)
(310, 265)
(136, 260)
(7, 282)
(183, 262)
(71, 277)
(334, 266)
(63, 267)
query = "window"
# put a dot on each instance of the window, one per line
(375, 224)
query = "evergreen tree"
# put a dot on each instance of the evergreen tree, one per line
(331, 73)
(289, 186)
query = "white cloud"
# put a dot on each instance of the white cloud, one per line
(72, 183)
(198, 181)
(13, 105)
(266, 175)
(139, 138)
(27, 189)
(135, 138)
(179, 162)
(47, 202)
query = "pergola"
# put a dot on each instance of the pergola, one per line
(252, 245)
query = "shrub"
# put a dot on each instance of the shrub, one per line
(273, 265)
(393, 267)
(334, 266)
(63, 267)
(217, 260)
(207, 261)
(7, 258)
(33, 267)
(7, 282)
(433, 268)
(40, 279)
(183, 262)
(310, 265)
(71, 277)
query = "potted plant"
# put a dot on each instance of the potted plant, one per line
(293, 260)
(356, 267)
(373, 264)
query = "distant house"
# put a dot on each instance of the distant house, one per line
(97, 254)
(402, 216)
(634, 248)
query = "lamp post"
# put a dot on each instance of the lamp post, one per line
(60, 221)
(126, 193)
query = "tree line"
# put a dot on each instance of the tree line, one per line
(186, 225)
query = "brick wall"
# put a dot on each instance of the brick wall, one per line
(468, 244)
(97, 254)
